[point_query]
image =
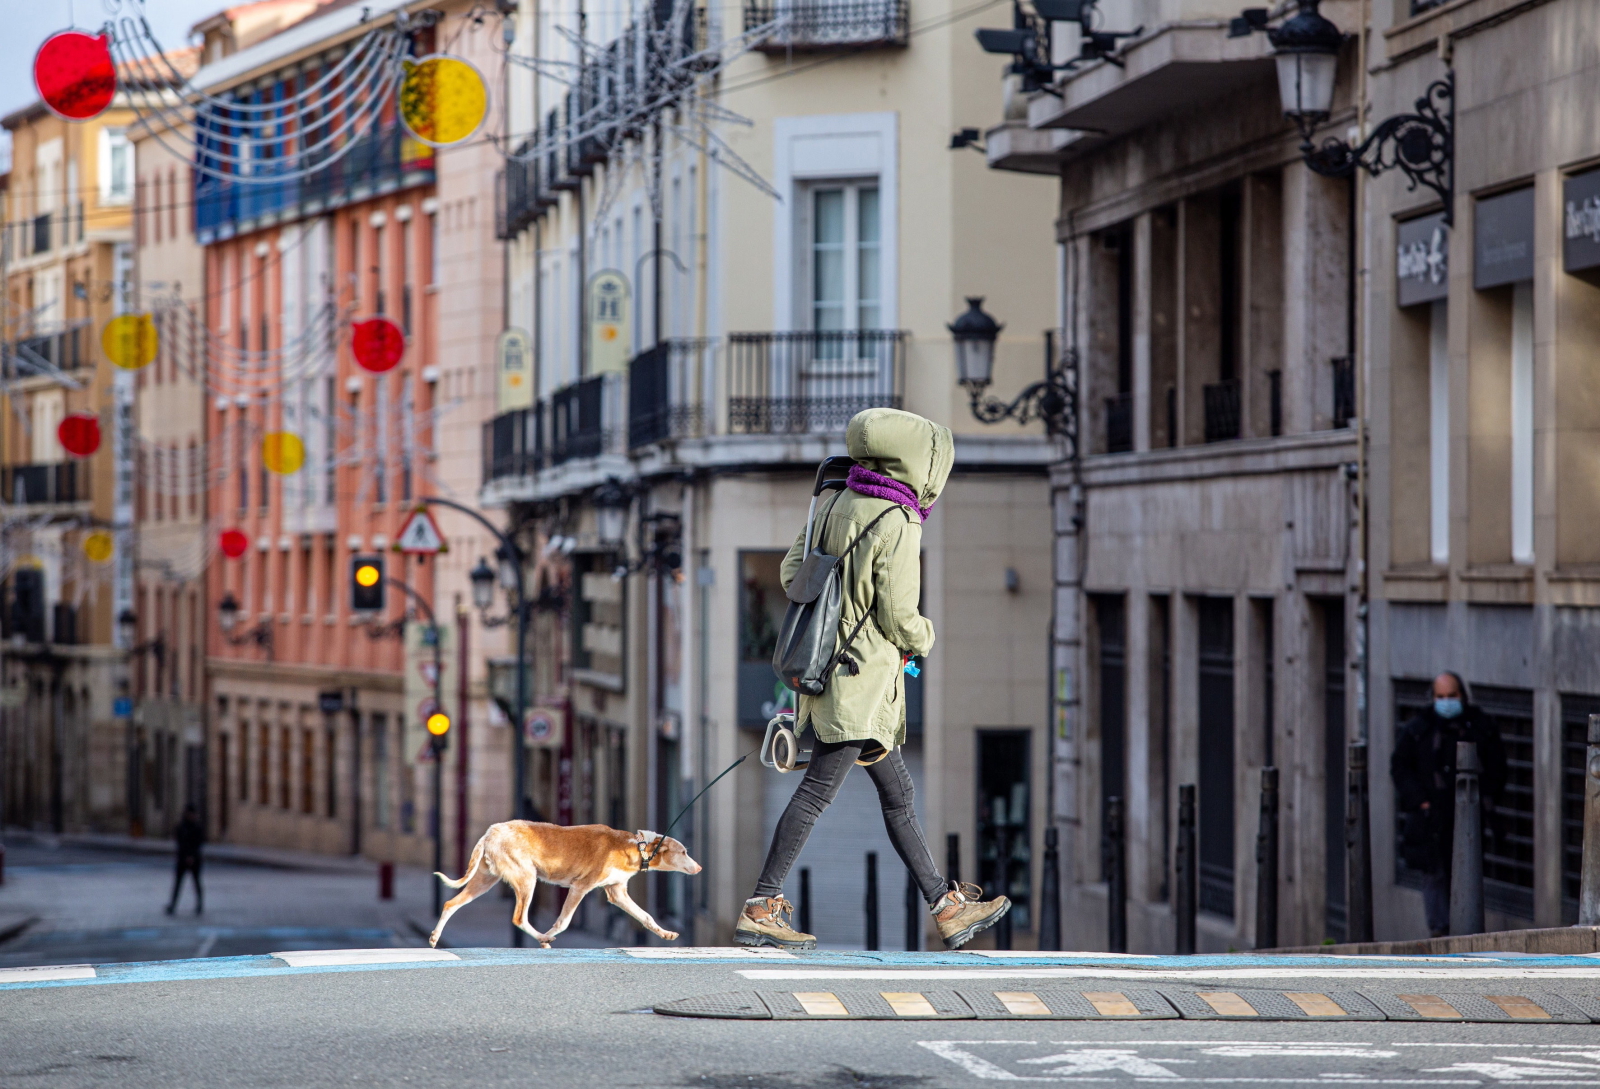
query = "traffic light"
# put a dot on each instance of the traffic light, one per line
(439, 727)
(366, 584)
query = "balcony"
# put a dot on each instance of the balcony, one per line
(1119, 423)
(800, 383)
(65, 350)
(584, 418)
(809, 25)
(54, 482)
(1222, 410)
(514, 443)
(670, 388)
(383, 160)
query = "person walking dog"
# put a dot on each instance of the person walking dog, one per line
(189, 835)
(902, 463)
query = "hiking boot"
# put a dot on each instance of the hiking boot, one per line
(961, 915)
(765, 921)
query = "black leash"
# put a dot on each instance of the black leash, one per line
(644, 861)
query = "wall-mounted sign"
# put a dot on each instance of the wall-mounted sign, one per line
(608, 321)
(1422, 260)
(1580, 221)
(1502, 239)
(513, 354)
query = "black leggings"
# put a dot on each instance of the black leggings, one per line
(824, 776)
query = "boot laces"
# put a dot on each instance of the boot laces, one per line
(778, 911)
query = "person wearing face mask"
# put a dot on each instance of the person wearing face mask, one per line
(1423, 769)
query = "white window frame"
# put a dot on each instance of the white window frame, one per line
(836, 148)
(851, 300)
(110, 139)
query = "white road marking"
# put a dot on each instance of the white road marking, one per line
(1094, 1060)
(329, 958)
(1255, 1051)
(707, 953)
(46, 971)
(1458, 974)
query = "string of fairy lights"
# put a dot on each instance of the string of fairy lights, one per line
(285, 416)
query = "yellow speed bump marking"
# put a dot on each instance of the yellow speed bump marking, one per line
(908, 1004)
(820, 1003)
(1315, 1005)
(1523, 1009)
(1228, 1004)
(1022, 1003)
(1429, 1005)
(1112, 1004)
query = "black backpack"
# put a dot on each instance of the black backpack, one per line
(805, 656)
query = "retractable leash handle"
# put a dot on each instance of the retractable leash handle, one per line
(780, 749)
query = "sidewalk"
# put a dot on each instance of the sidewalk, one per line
(104, 897)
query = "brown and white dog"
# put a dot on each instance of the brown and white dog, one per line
(580, 858)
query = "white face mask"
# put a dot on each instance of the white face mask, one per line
(1447, 707)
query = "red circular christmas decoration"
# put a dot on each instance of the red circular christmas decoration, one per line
(377, 344)
(73, 74)
(234, 543)
(79, 434)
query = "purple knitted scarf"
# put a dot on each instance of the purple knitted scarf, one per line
(879, 486)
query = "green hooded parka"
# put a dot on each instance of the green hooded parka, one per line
(882, 577)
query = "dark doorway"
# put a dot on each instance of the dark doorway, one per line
(1216, 755)
(1333, 763)
(1004, 843)
(1112, 627)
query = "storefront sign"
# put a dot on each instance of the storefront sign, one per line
(608, 322)
(514, 363)
(1422, 260)
(1502, 247)
(1580, 221)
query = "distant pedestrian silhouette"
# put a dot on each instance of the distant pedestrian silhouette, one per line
(189, 835)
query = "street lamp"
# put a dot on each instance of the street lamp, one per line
(228, 612)
(1421, 144)
(482, 585)
(228, 620)
(611, 503)
(1053, 400)
(127, 626)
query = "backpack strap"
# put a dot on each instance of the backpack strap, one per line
(844, 648)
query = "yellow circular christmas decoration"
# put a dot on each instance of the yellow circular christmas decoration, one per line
(443, 100)
(131, 341)
(99, 546)
(282, 452)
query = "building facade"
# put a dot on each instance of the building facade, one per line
(697, 345)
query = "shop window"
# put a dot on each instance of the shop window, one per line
(761, 607)
(598, 638)
(1216, 755)
(1004, 844)
(1575, 712)
(1508, 844)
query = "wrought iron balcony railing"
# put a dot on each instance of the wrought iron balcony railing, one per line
(1119, 423)
(586, 418)
(514, 443)
(829, 24)
(670, 390)
(786, 383)
(1222, 410)
(51, 482)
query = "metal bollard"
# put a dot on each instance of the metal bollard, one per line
(1116, 879)
(1357, 847)
(952, 857)
(2, 863)
(805, 899)
(386, 880)
(1589, 884)
(1267, 863)
(872, 900)
(1466, 860)
(913, 914)
(1184, 893)
(1050, 893)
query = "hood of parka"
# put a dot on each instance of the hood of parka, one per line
(903, 446)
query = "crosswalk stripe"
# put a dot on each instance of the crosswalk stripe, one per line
(1315, 1005)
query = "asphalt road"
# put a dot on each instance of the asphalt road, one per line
(583, 1018)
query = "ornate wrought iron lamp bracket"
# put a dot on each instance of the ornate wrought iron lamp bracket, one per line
(1421, 145)
(1053, 400)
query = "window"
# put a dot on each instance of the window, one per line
(380, 453)
(116, 167)
(378, 270)
(408, 434)
(405, 275)
(761, 606)
(1004, 840)
(844, 277)
(330, 438)
(307, 772)
(1112, 629)
(1216, 755)
(380, 771)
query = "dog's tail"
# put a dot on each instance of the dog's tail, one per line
(472, 868)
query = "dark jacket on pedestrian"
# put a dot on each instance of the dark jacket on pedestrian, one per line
(1423, 768)
(189, 834)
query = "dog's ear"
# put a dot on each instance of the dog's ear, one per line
(645, 836)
